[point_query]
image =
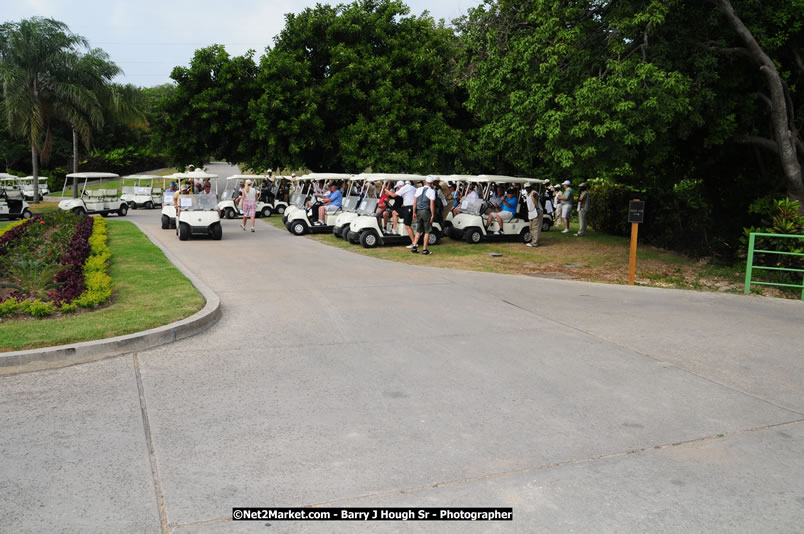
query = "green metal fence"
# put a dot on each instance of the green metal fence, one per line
(749, 267)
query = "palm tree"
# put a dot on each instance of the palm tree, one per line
(38, 62)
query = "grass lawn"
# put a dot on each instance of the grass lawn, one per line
(595, 257)
(148, 291)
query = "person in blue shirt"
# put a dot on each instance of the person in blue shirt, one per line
(330, 202)
(506, 213)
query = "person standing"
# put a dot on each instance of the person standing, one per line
(424, 201)
(249, 203)
(535, 215)
(584, 202)
(565, 197)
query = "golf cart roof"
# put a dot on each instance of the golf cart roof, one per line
(6, 176)
(93, 175)
(510, 179)
(251, 177)
(30, 178)
(144, 176)
(198, 174)
(325, 176)
(384, 177)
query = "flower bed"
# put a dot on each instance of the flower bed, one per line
(54, 263)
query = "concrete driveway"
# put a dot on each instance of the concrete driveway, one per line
(335, 379)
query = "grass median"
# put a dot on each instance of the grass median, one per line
(148, 291)
(595, 257)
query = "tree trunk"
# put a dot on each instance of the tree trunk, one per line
(782, 129)
(75, 162)
(35, 172)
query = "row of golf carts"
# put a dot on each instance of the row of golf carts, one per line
(357, 220)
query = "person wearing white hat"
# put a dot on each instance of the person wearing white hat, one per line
(424, 202)
(250, 195)
(566, 205)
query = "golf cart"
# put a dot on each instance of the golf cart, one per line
(26, 186)
(197, 214)
(298, 220)
(93, 201)
(298, 197)
(12, 201)
(142, 194)
(351, 203)
(470, 223)
(264, 208)
(366, 227)
(168, 209)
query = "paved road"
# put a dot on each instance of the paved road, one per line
(340, 380)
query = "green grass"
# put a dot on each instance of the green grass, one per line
(148, 291)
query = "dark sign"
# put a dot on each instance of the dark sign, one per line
(636, 211)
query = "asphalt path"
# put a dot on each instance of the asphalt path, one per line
(338, 380)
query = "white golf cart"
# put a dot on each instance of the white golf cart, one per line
(12, 201)
(299, 188)
(93, 201)
(142, 194)
(367, 230)
(230, 210)
(168, 209)
(197, 214)
(363, 187)
(298, 220)
(26, 186)
(470, 223)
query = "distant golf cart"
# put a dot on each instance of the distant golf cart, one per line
(366, 228)
(299, 188)
(12, 201)
(142, 194)
(470, 223)
(362, 187)
(230, 210)
(93, 201)
(299, 220)
(197, 214)
(26, 186)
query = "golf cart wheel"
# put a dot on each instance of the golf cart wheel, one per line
(525, 235)
(132, 204)
(280, 210)
(369, 239)
(165, 222)
(435, 237)
(79, 211)
(27, 214)
(230, 213)
(184, 232)
(545, 225)
(216, 231)
(473, 236)
(298, 228)
(149, 205)
(266, 211)
(123, 210)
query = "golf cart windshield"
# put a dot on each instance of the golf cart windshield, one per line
(368, 206)
(167, 198)
(198, 202)
(350, 203)
(472, 206)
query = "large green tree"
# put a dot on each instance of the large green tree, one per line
(361, 85)
(206, 115)
(38, 57)
(647, 92)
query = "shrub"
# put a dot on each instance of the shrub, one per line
(8, 307)
(97, 282)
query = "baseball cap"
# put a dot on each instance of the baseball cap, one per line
(565, 182)
(429, 179)
(400, 183)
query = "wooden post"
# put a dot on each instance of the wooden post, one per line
(632, 256)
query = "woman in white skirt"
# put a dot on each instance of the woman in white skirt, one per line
(249, 203)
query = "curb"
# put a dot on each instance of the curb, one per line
(24, 361)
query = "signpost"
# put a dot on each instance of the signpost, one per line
(636, 215)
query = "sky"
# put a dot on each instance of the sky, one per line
(147, 38)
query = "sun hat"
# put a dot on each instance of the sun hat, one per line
(565, 182)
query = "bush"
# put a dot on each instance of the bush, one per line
(97, 282)
(609, 207)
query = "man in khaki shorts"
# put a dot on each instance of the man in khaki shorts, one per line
(535, 215)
